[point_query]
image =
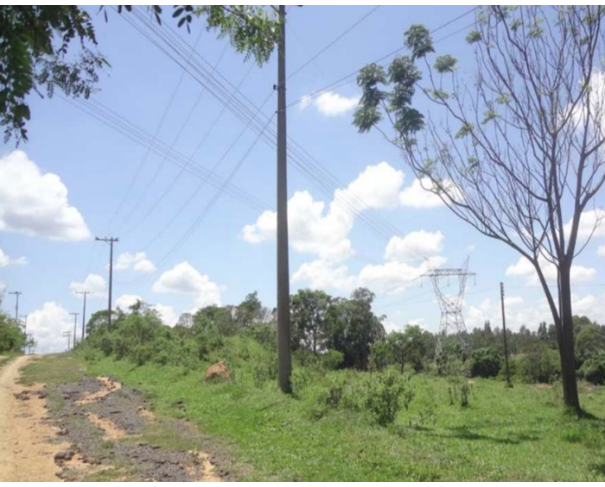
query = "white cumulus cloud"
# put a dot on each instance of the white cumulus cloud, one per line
(417, 195)
(47, 326)
(321, 274)
(36, 204)
(332, 104)
(184, 279)
(525, 269)
(414, 246)
(125, 301)
(323, 231)
(166, 314)
(592, 223)
(93, 283)
(601, 251)
(5, 260)
(137, 261)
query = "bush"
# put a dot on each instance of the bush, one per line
(593, 369)
(300, 380)
(264, 371)
(459, 392)
(387, 395)
(332, 395)
(485, 362)
(541, 365)
(332, 359)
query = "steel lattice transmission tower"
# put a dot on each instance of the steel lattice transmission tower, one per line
(452, 319)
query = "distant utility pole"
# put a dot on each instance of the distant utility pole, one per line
(75, 315)
(17, 294)
(508, 382)
(83, 293)
(30, 339)
(67, 334)
(283, 269)
(110, 241)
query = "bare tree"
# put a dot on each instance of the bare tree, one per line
(518, 154)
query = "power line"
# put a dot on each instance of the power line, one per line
(213, 125)
(174, 141)
(331, 43)
(135, 176)
(348, 77)
(212, 202)
(242, 111)
(202, 183)
(126, 128)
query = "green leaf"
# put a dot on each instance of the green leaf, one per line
(418, 40)
(466, 129)
(445, 64)
(473, 37)
(489, 115)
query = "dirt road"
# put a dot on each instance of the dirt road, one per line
(25, 451)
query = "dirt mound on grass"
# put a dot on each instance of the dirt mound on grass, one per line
(217, 373)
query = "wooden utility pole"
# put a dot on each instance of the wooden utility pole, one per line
(67, 334)
(508, 381)
(83, 334)
(283, 269)
(17, 294)
(110, 241)
(75, 315)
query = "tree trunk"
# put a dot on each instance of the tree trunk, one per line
(566, 343)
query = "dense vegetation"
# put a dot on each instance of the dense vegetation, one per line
(426, 418)
(12, 338)
(335, 333)
(354, 386)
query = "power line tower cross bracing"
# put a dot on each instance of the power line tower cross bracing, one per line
(450, 304)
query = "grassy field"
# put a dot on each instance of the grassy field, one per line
(517, 434)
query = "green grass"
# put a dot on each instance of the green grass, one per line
(518, 434)
(53, 369)
(7, 357)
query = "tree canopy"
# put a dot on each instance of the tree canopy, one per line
(48, 47)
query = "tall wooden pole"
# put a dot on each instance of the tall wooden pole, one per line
(283, 270)
(110, 241)
(83, 293)
(508, 381)
(17, 294)
(75, 315)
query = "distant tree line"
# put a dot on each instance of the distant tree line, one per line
(346, 334)
(12, 337)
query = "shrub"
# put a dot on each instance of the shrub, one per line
(386, 395)
(332, 395)
(332, 359)
(106, 345)
(300, 380)
(459, 392)
(264, 371)
(541, 365)
(141, 354)
(485, 363)
(593, 369)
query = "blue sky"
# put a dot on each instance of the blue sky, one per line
(232, 251)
